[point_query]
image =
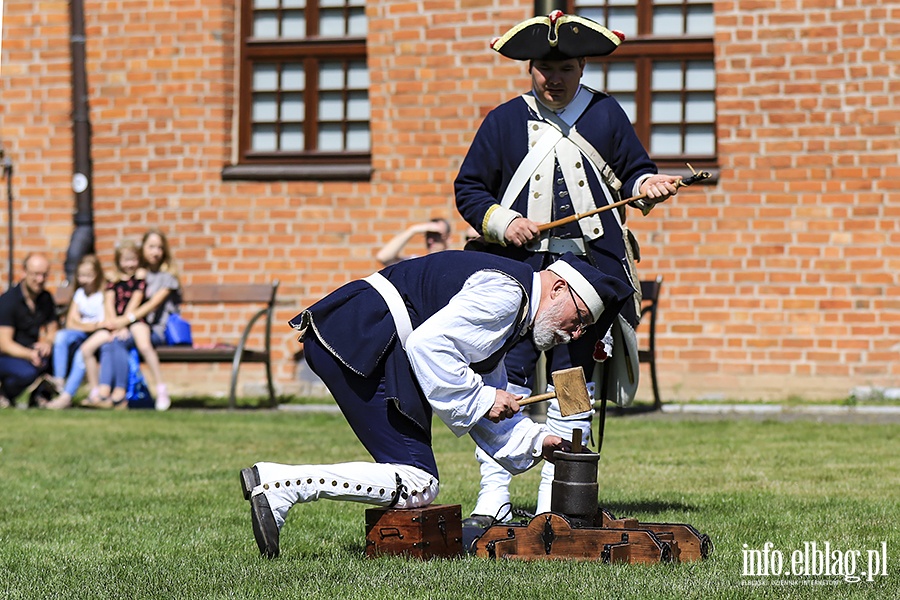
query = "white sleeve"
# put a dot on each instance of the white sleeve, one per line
(472, 327)
(516, 444)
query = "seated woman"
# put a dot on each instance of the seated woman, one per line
(162, 296)
(123, 295)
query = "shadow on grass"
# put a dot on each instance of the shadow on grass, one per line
(624, 509)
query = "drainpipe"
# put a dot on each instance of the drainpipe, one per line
(7, 176)
(543, 8)
(82, 241)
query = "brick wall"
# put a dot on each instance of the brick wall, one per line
(780, 280)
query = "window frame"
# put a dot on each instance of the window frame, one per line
(311, 51)
(643, 50)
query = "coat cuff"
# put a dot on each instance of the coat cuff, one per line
(496, 220)
(644, 204)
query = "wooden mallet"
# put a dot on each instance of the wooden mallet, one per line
(571, 391)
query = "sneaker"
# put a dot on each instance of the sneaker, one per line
(162, 402)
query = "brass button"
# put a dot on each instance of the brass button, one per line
(581, 183)
(537, 194)
(265, 486)
(537, 177)
(578, 165)
(596, 230)
(535, 127)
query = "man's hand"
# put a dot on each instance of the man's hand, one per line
(552, 443)
(521, 231)
(43, 349)
(505, 406)
(660, 187)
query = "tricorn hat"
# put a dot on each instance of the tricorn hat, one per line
(557, 36)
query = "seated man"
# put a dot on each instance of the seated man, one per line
(28, 325)
(421, 337)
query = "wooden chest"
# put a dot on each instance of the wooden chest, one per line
(424, 533)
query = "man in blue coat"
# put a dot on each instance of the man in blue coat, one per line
(424, 337)
(559, 150)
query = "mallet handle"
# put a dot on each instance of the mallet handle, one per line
(538, 398)
(572, 218)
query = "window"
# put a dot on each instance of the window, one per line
(663, 75)
(304, 93)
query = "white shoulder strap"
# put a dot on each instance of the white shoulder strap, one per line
(576, 109)
(394, 303)
(529, 165)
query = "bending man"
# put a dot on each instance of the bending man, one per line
(421, 337)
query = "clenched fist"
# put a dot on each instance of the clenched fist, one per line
(505, 406)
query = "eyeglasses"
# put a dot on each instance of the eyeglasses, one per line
(582, 323)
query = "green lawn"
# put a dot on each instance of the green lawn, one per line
(147, 505)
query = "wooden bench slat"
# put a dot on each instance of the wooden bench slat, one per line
(210, 293)
(189, 354)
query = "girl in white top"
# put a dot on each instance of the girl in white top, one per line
(83, 317)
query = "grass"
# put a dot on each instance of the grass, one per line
(147, 505)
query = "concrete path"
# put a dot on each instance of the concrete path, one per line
(697, 411)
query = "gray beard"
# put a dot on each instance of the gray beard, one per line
(546, 332)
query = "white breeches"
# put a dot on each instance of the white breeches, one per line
(369, 483)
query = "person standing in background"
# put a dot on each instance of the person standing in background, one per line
(559, 150)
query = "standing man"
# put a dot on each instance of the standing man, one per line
(427, 336)
(28, 325)
(558, 150)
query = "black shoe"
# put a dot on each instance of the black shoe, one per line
(480, 521)
(249, 480)
(264, 528)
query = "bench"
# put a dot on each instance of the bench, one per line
(210, 293)
(647, 354)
